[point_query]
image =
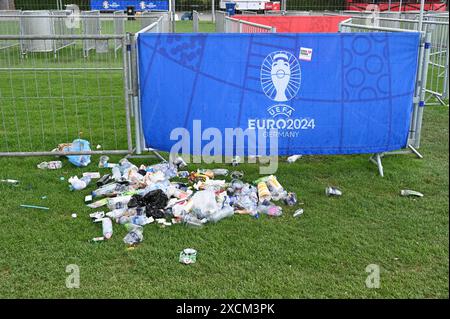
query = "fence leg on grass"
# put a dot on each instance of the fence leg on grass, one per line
(376, 159)
(415, 151)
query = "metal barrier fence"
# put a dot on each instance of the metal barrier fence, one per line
(47, 100)
(85, 90)
(437, 24)
(437, 83)
(233, 25)
(195, 21)
(219, 19)
(119, 28)
(161, 25)
(414, 137)
(9, 25)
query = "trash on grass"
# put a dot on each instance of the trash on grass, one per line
(92, 175)
(298, 212)
(408, 192)
(77, 184)
(50, 165)
(136, 196)
(188, 256)
(10, 181)
(78, 145)
(293, 158)
(97, 239)
(33, 206)
(333, 191)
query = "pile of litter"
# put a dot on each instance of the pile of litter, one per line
(164, 194)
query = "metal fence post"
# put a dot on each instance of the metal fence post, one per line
(240, 26)
(126, 44)
(423, 88)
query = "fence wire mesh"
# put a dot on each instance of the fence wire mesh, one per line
(49, 98)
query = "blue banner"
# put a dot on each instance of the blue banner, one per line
(153, 5)
(337, 93)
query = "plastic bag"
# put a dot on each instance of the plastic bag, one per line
(78, 145)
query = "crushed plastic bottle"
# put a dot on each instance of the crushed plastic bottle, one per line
(333, 191)
(192, 221)
(270, 210)
(103, 162)
(135, 234)
(116, 174)
(116, 213)
(225, 212)
(274, 185)
(118, 202)
(50, 165)
(109, 190)
(220, 172)
(290, 199)
(78, 183)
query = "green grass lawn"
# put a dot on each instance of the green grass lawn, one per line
(323, 253)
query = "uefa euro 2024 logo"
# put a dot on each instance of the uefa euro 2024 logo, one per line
(280, 76)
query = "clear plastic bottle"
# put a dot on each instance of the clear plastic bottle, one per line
(225, 212)
(270, 210)
(192, 221)
(107, 227)
(79, 183)
(116, 213)
(109, 189)
(116, 174)
(135, 234)
(103, 162)
(118, 202)
(220, 172)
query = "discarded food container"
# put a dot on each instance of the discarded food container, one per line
(333, 191)
(188, 256)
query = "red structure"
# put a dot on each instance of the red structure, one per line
(298, 24)
(406, 5)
